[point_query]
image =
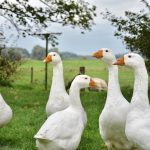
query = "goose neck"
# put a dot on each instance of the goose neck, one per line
(58, 79)
(74, 94)
(140, 93)
(113, 82)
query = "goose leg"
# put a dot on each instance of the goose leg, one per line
(109, 145)
(109, 148)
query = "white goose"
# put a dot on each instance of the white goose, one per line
(5, 112)
(113, 117)
(138, 119)
(63, 129)
(58, 98)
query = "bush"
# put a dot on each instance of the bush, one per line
(38, 52)
(14, 53)
(7, 69)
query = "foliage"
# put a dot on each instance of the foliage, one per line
(29, 19)
(7, 69)
(64, 55)
(69, 55)
(15, 53)
(2, 39)
(134, 29)
(38, 52)
(23, 52)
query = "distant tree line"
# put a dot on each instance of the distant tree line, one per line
(38, 53)
(15, 53)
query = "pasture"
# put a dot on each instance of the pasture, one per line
(28, 103)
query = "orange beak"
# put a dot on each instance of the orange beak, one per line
(48, 59)
(92, 83)
(98, 54)
(120, 62)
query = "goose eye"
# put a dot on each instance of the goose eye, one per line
(54, 54)
(86, 78)
(129, 56)
(106, 50)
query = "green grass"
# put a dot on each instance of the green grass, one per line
(28, 103)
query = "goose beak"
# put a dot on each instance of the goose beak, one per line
(92, 83)
(98, 54)
(48, 59)
(120, 62)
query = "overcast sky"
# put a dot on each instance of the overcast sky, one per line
(102, 34)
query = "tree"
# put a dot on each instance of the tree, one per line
(8, 66)
(38, 52)
(15, 53)
(23, 52)
(2, 39)
(134, 29)
(28, 19)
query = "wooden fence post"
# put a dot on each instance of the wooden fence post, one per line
(82, 70)
(31, 74)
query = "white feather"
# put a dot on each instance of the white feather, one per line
(5, 112)
(113, 117)
(63, 129)
(138, 119)
(58, 99)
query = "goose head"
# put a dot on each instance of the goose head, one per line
(105, 54)
(84, 81)
(53, 57)
(132, 60)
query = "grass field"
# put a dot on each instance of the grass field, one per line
(28, 103)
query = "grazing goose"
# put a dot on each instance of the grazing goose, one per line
(113, 117)
(58, 98)
(63, 129)
(101, 84)
(138, 118)
(5, 112)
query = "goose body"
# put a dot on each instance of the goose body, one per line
(138, 118)
(63, 129)
(113, 117)
(5, 112)
(101, 84)
(58, 99)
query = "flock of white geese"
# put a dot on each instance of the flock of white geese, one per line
(122, 125)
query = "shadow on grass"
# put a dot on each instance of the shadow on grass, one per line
(8, 142)
(24, 87)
